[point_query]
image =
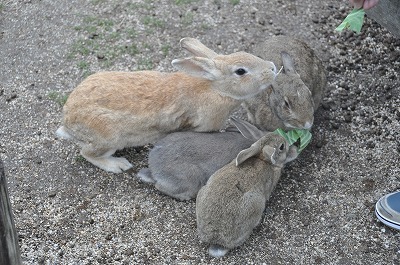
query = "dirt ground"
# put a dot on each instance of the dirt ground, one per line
(69, 212)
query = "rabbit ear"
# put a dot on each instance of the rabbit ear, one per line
(248, 130)
(292, 154)
(288, 64)
(197, 48)
(198, 67)
(245, 154)
(231, 128)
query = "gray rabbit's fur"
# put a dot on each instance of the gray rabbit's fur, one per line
(181, 163)
(231, 204)
(298, 91)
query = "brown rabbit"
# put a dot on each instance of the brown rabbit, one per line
(112, 110)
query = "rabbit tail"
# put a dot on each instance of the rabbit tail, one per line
(217, 251)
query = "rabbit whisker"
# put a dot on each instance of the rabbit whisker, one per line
(280, 70)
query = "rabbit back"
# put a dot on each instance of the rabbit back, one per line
(182, 162)
(122, 109)
(231, 204)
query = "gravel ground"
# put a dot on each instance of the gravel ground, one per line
(69, 212)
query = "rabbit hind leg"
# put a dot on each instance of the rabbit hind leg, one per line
(145, 175)
(103, 159)
(174, 189)
(183, 186)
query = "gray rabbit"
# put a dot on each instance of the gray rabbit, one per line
(181, 163)
(231, 204)
(292, 100)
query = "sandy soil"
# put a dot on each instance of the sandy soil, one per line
(69, 212)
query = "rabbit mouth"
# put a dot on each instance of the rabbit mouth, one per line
(306, 126)
(277, 73)
(288, 125)
(265, 86)
(293, 125)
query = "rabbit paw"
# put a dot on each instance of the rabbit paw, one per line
(62, 133)
(118, 164)
(110, 163)
(217, 251)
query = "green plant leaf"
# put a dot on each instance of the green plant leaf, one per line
(305, 139)
(293, 136)
(282, 133)
(353, 21)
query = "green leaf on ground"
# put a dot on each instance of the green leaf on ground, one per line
(353, 21)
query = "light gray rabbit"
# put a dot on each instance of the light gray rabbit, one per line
(292, 100)
(181, 163)
(231, 204)
(113, 110)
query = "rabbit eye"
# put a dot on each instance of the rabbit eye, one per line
(282, 147)
(240, 71)
(287, 103)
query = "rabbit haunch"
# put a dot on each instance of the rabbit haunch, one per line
(112, 110)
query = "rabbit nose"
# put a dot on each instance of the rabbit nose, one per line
(269, 69)
(273, 69)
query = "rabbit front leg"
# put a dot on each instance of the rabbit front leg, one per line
(102, 158)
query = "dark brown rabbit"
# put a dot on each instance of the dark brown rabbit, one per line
(231, 204)
(292, 100)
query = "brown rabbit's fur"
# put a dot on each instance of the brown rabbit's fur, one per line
(112, 110)
(156, 102)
